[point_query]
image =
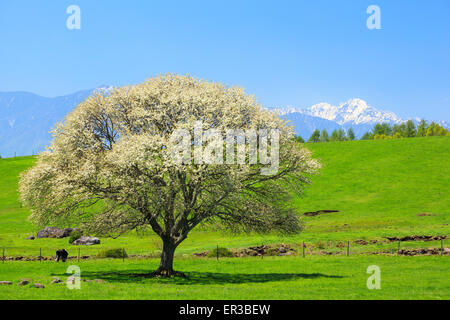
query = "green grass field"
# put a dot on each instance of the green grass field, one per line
(380, 188)
(316, 277)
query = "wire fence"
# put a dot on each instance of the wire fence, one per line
(302, 249)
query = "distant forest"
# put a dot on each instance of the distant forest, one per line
(381, 131)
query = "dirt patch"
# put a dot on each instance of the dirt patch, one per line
(362, 242)
(341, 244)
(263, 250)
(21, 258)
(316, 213)
(426, 214)
(416, 238)
(201, 254)
(85, 257)
(144, 256)
(326, 253)
(429, 251)
(266, 250)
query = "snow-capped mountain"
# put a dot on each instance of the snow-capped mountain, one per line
(355, 113)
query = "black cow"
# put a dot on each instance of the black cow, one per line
(61, 255)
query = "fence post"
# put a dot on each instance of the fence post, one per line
(262, 252)
(303, 249)
(442, 247)
(398, 249)
(217, 252)
(348, 248)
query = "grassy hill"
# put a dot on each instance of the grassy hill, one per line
(380, 187)
(13, 218)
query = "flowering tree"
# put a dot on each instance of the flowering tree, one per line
(110, 167)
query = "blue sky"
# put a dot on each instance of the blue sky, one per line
(285, 52)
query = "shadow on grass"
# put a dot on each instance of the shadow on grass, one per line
(200, 278)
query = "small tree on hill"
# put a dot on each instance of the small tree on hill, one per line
(338, 135)
(382, 128)
(410, 130)
(324, 136)
(299, 139)
(367, 136)
(110, 166)
(434, 129)
(315, 136)
(351, 134)
(422, 128)
(334, 135)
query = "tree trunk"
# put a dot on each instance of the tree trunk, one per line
(166, 265)
(167, 257)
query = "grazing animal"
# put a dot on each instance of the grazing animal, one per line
(61, 255)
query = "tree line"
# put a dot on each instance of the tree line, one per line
(381, 131)
(323, 136)
(406, 129)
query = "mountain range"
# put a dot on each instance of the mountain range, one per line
(354, 113)
(26, 118)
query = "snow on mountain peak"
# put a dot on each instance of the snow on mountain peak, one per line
(355, 111)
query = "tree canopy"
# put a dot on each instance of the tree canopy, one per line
(110, 168)
(315, 136)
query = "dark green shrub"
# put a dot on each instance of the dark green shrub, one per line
(75, 235)
(223, 252)
(112, 253)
